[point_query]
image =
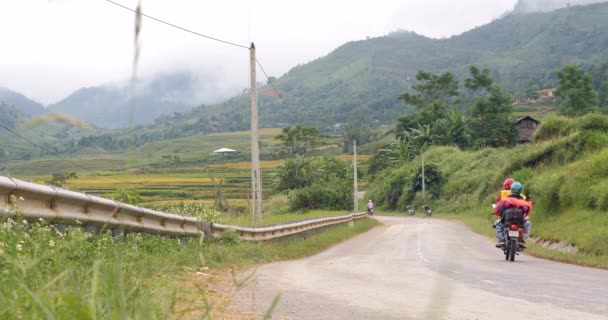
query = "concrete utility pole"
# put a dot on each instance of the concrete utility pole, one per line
(356, 187)
(256, 179)
(423, 183)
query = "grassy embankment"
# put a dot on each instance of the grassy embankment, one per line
(46, 275)
(565, 172)
(50, 276)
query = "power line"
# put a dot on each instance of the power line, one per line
(272, 83)
(180, 28)
(50, 151)
(208, 37)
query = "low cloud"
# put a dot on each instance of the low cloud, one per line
(549, 5)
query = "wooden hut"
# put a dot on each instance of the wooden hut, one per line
(526, 127)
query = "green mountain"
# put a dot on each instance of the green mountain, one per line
(548, 5)
(360, 81)
(21, 102)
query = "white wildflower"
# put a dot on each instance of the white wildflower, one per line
(19, 246)
(78, 222)
(21, 198)
(52, 243)
(41, 220)
(24, 221)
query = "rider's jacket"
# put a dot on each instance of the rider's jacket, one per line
(504, 194)
(513, 200)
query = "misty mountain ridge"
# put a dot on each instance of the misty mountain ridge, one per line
(112, 106)
(20, 102)
(526, 6)
(361, 80)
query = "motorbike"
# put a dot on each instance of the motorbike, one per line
(410, 210)
(370, 211)
(427, 210)
(513, 230)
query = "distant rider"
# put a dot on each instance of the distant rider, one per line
(514, 200)
(370, 207)
(506, 191)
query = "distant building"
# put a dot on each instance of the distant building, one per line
(546, 95)
(224, 151)
(526, 127)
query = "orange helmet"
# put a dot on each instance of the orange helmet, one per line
(507, 184)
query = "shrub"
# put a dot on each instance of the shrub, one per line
(322, 196)
(193, 209)
(593, 121)
(554, 127)
(277, 204)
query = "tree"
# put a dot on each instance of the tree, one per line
(432, 89)
(453, 130)
(575, 91)
(59, 179)
(491, 112)
(434, 96)
(299, 140)
(356, 132)
(125, 196)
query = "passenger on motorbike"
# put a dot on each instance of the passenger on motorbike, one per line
(514, 200)
(506, 191)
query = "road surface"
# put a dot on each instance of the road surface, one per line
(416, 268)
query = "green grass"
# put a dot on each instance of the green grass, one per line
(564, 173)
(50, 276)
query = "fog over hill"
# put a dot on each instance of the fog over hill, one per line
(20, 102)
(524, 6)
(112, 106)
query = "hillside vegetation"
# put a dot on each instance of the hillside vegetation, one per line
(361, 79)
(564, 172)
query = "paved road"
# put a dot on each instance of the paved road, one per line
(415, 268)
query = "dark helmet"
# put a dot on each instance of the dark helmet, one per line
(516, 188)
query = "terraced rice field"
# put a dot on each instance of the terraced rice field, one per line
(159, 179)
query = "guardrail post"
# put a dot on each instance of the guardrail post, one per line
(206, 227)
(118, 234)
(91, 229)
(60, 227)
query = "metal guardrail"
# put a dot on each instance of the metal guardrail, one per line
(268, 233)
(59, 206)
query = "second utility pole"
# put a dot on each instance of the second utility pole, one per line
(256, 179)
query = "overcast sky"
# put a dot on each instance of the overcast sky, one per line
(50, 48)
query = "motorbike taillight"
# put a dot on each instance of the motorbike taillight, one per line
(513, 227)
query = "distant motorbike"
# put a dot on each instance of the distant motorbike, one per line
(513, 231)
(410, 210)
(427, 211)
(370, 211)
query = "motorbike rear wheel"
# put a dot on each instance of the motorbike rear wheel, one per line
(512, 249)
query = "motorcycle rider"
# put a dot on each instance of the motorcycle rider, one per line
(517, 200)
(507, 189)
(370, 207)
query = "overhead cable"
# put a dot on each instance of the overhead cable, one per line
(178, 27)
